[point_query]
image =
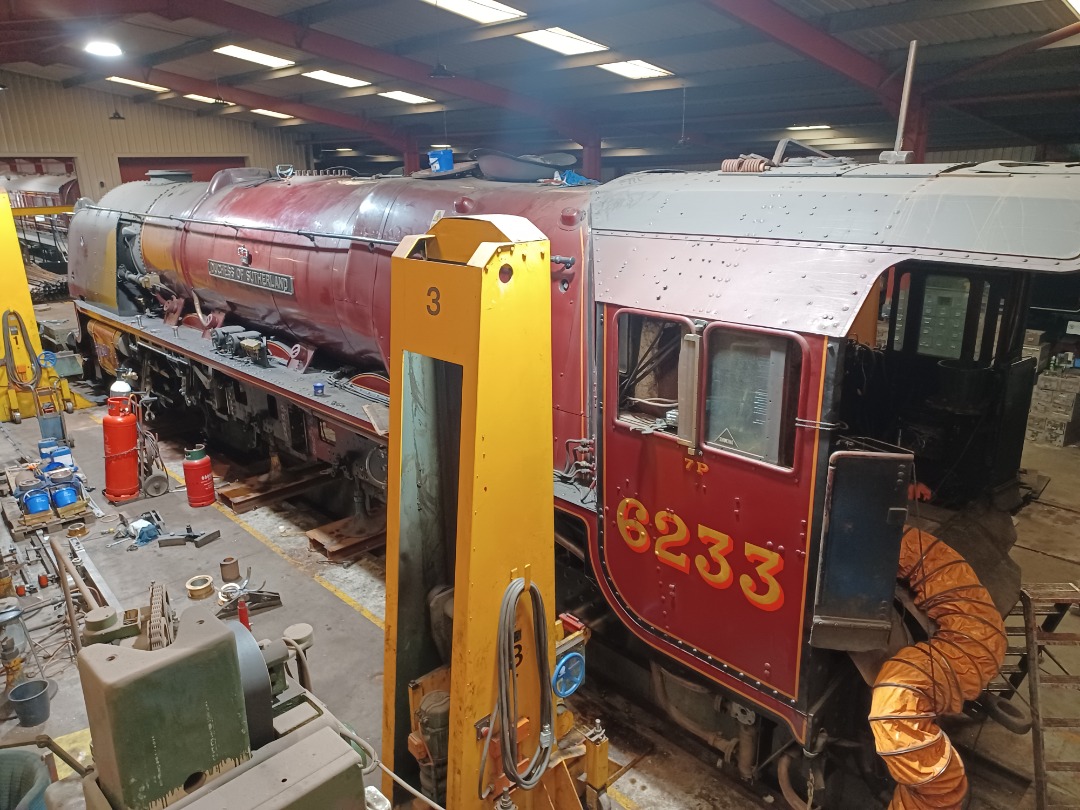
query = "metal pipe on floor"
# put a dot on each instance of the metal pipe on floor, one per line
(63, 560)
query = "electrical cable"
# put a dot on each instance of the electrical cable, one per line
(303, 671)
(9, 357)
(506, 710)
(374, 762)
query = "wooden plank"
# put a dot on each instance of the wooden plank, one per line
(251, 493)
(347, 538)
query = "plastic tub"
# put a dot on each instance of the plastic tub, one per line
(36, 501)
(31, 702)
(64, 495)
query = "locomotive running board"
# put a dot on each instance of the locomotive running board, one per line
(346, 410)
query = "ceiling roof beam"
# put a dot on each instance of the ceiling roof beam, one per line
(993, 62)
(185, 84)
(66, 10)
(177, 52)
(329, 46)
(804, 38)
(1029, 95)
(651, 49)
(911, 11)
(308, 15)
(321, 12)
(563, 14)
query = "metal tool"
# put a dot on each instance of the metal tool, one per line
(256, 601)
(197, 539)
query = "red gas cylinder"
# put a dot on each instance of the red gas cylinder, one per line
(198, 477)
(121, 430)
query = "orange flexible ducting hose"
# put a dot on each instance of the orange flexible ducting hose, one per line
(934, 677)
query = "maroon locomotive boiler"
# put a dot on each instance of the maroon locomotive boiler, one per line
(747, 367)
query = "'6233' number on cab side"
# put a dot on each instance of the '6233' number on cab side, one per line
(761, 588)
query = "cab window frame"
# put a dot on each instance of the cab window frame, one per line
(796, 395)
(614, 378)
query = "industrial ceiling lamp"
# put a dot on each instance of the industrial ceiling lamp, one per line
(103, 47)
(116, 116)
(439, 70)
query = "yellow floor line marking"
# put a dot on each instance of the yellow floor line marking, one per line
(624, 801)
(270, 544)
(348, 600)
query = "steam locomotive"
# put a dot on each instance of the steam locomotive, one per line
(753, 371)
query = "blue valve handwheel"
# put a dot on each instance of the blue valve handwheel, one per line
(47, 359)
(569, 674)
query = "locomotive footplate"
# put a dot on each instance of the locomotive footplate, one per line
(346, 408)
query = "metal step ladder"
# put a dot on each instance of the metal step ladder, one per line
(1043, 607)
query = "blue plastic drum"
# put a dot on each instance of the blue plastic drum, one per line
(36, 501)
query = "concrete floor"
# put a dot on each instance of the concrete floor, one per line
(345, 605)
(346, 659)
(1047, 550)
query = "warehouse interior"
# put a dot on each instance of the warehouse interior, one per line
(468, 405)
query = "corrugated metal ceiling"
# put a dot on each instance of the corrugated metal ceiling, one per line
(744, 68)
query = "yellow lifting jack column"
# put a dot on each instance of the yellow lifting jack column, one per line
(470, 571)
(29, 386)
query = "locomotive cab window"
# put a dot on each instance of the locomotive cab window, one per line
(751, 394)
(649, 348)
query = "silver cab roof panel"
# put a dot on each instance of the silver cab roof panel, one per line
(801, 248)
(992, 209)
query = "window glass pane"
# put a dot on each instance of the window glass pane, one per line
(752, 394)
(649, 372)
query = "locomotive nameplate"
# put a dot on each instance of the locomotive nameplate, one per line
(264, 279)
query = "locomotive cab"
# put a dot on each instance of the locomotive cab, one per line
(942, 375)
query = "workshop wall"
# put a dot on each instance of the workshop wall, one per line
(41, 118)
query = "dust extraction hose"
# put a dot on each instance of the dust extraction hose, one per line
(934, 677)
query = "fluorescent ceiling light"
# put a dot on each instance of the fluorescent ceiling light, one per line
(562, 41)
(143, 85)
(254, 56)
(804, 127)
(1074, 4)
(636, 69)
(271, 113)
(335, 78)
(408, 98)
(441, 146)
(207, 99)
(100, 47)
(482, 11)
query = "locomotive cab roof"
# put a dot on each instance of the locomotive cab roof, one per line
(800, 247)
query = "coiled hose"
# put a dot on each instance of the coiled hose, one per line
(506, 701)
(9, 356)
(934, 677)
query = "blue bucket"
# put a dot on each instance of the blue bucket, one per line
(64, 495)
(441, 160)
(36, 501)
